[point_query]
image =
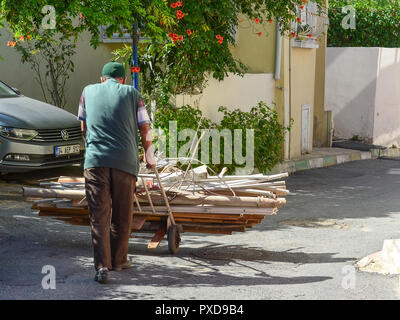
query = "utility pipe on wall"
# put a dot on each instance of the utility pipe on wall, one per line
(278, 51)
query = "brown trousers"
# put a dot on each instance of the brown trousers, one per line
(109, 193)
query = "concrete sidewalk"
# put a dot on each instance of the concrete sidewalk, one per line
(326, 157)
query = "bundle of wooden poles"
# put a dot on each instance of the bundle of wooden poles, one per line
(199, 202)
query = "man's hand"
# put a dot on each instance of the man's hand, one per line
(150, 161)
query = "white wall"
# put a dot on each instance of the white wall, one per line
(234, 92)
(351, 78)
(387, 101)
(363, 91)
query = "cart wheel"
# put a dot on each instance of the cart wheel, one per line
(174, 239)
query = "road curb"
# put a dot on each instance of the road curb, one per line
(332, 160)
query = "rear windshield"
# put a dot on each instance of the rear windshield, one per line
(6, 92)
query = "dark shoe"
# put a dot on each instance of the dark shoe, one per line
(125, 265)
(101, 276)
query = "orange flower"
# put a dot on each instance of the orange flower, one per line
(135, 69)
(11, 44)
(257, 20)
(189, 32)
(259, 34)
(22, 38)
(173, 36)
(179, 14)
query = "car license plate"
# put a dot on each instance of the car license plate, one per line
(67, 150)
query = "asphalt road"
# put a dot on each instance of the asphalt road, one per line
(335, 217)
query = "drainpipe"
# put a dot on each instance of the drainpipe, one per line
(286, 91)
(278, 51)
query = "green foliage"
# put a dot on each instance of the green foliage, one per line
(377, 24)
(182, 65)
(268, 132)
(168, 67)
(75, 16)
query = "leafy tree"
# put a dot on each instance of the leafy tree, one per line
(197, 44)
(191, 38)
(49, 31)
(377, 24)
(55, 54)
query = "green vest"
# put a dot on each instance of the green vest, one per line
(112, 126)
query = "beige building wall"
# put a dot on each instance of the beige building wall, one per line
(320, 126)
(234, 92)
(302, 87)
(258, 54)
(88, 66)
(322, 118)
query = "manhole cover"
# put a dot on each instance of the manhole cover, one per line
(247, 254)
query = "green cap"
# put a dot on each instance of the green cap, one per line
(113, 70)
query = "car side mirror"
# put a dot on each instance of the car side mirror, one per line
(17, 91)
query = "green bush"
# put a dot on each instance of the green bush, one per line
(377, 24)
(268, 132)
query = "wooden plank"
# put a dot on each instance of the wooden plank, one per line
(213, 209)
(138, 222)
(213, 226)
(209, 220)
(61, 210)
(64, 179)
(155, 242)
(200, 199)
(204, 216)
